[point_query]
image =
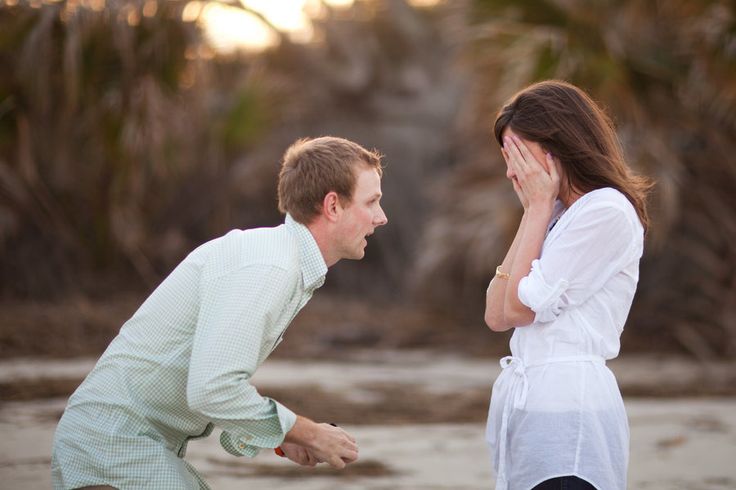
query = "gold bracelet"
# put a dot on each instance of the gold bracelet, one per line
(500, 274)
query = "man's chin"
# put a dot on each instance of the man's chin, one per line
(358, 255)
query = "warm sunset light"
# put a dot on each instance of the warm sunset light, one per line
(229, 29)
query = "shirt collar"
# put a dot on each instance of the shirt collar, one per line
(313, 264)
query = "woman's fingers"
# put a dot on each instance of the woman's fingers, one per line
(526, 156)
(522, 158)
(516, 160)
(537, 181)
(520, 193)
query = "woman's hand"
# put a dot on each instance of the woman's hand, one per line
(519, 193)
(535, 183)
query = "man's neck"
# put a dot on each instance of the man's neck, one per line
(319, 230)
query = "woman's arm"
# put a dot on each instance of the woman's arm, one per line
(600, 242)
(496, 293)
(537, 188)
(516, 314)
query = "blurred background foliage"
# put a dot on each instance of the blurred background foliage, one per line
(666, 72)
(126, 140)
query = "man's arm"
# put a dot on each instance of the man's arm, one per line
(236, 312)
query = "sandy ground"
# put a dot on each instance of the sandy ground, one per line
(396, 404)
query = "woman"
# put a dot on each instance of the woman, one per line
(566, 285)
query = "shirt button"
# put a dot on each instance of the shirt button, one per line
(241, 445)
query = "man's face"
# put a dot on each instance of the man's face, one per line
(362, 216)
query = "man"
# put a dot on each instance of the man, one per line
(183, 362)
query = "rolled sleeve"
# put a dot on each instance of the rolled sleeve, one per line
(544, 299)
(599, 241)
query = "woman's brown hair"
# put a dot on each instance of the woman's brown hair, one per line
(567, 123)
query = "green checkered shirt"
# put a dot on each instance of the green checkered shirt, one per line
(183, 362)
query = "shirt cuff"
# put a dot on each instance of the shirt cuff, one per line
(267, 433)
(542, 298)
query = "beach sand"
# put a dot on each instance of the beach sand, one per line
(418, 418)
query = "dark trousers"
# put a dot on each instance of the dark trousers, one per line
(565, 483)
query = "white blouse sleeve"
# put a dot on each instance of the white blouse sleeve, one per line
(597, 244)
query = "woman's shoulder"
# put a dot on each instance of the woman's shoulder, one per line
(605, 195)
(611, 208)
(606, 199)
(607, 206)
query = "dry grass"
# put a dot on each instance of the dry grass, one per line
(73, 328)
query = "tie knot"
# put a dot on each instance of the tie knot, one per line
(518, 365)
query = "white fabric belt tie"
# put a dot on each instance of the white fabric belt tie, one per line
(518, 399)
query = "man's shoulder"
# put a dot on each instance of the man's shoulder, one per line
(269, 247)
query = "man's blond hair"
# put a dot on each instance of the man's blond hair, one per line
(311, 168)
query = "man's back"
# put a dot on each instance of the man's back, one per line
(147, 362)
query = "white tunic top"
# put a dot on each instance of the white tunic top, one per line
(556, 408)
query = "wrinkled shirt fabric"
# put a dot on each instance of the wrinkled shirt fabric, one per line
(182, 364)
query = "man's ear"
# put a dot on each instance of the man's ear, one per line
(331, 206)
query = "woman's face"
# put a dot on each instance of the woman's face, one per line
(566, 194)
(534, 148)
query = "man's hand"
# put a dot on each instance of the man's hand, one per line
(326, 442)
(299, 454)
(334, 446)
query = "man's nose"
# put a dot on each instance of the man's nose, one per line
(381, 218)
